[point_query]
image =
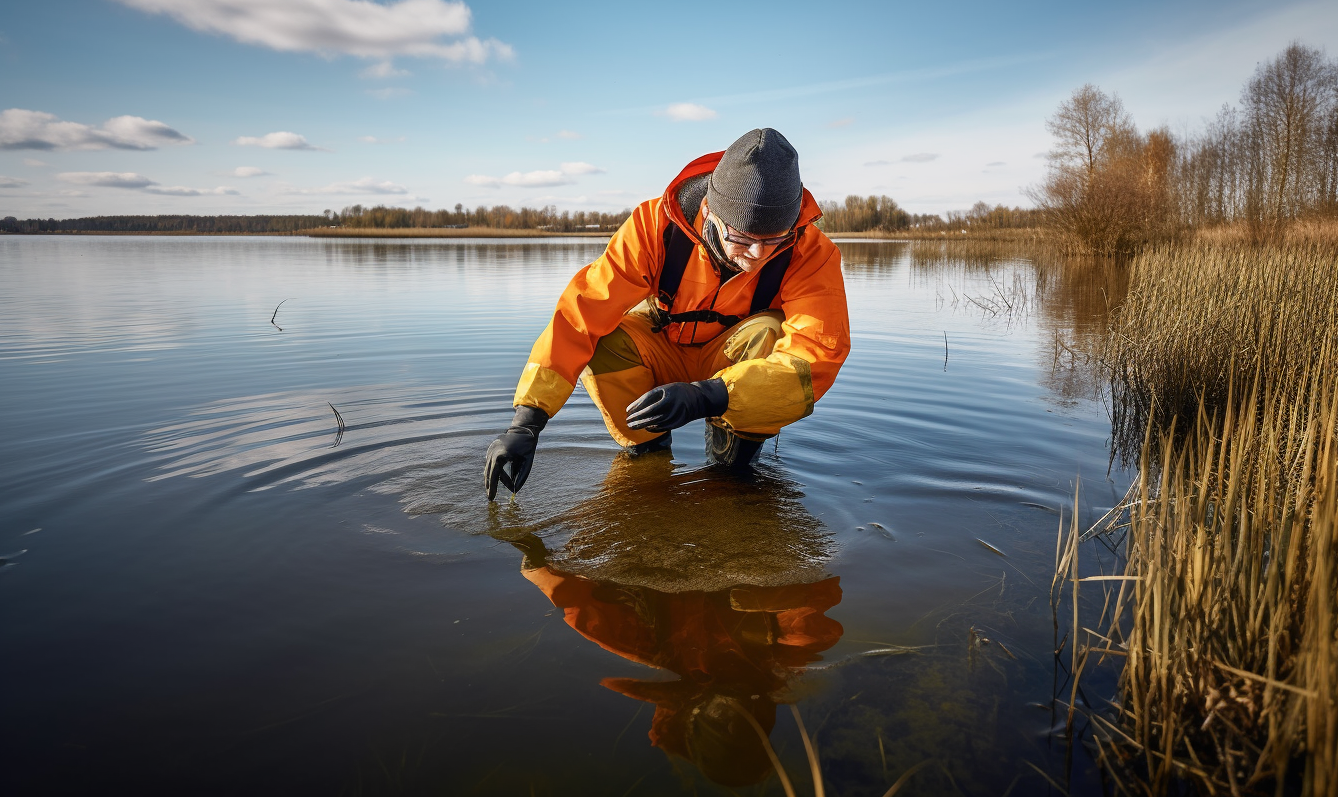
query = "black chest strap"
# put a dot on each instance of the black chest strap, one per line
(678, 248)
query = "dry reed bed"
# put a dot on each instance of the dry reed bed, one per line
(1227, 616)
(1227, 607)
(1201, 320)
(1317, 230)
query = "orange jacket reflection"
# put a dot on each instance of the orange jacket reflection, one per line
(741, 643)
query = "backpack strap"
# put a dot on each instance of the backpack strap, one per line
(769, 281)
(678, 249)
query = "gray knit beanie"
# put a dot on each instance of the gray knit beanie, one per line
(755, 188)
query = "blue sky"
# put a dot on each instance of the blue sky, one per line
(288, 106)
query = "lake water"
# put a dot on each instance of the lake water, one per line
(207, 589)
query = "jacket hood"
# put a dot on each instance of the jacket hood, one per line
(809, 212)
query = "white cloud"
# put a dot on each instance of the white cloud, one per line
(375, 140)
(248, 171)
(23, 129)
(107, 179)
(280, 139)
(365, 186)
(11, 182)
(542, 178)
(181, 190)
(920, 157)
(418, 28)
(390, 92)
(688, 112)
(137, 182)
(846, 122)
(33, 162)
(384, 70)
(570, 135)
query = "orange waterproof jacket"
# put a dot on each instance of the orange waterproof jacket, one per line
(763, 394)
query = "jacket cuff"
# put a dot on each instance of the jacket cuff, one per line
(531, 418)
(716, 394)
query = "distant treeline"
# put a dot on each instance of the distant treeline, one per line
(882, 214)
(855, 214)
(355, 216)
(502, 217)
(183, 224)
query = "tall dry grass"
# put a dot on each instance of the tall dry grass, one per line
(1201, 320)
(1226, 368)
(1228, 617)
(1315, 230)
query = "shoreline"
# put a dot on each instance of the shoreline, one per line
(346, 232)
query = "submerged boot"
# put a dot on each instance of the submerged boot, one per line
(727, 449)
(536, 554)
(660, 443)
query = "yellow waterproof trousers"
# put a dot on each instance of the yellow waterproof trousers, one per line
(632, 360)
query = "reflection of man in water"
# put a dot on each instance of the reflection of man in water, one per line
(732, 650)
(673, 599)
(744, 321)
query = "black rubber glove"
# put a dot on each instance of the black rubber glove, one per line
(515, 447)
(677, 403)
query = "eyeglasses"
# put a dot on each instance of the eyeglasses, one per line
(735, 237)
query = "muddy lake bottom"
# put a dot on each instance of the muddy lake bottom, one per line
(208, 589)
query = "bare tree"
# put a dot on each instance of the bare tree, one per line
(1108, 187)
(1287, 103)
(1084, 126)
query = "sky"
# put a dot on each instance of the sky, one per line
(297, 106)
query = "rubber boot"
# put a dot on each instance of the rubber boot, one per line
(536, 554)
(727, 449)
(660, 443)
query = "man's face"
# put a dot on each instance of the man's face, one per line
(748, 252)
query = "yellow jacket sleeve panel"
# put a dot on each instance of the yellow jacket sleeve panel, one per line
(590, 307)
(766, 394)
(543, 388)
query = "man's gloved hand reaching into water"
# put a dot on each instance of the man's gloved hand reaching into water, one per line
(660, 410)
(515, 447)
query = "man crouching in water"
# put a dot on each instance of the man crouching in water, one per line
(718, 300)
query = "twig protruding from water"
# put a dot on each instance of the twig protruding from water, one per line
(275, 315)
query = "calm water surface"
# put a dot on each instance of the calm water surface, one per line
(207, 589)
